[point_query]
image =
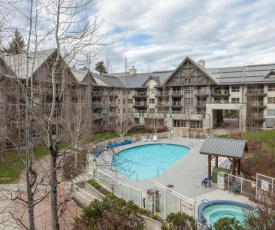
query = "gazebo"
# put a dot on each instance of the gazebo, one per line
(221, 147)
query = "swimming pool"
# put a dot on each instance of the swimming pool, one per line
(147, 161)
(211, 211)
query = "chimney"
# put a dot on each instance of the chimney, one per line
(202, 63)
(132, 71)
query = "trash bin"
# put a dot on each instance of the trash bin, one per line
(215, 173)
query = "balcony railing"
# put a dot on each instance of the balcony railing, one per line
(140, 94)
(201, 103)
(176, 103)
(96, 104)
(140, 104)
(220, 92)
(176, 93)
(159, 94)
(97, 116)
(97, 93)
(220, 102)
(255, 91)
(176, 112)
(113, 104)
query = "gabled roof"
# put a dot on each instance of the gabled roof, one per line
(134, 81)
(83, 75)
(156, 79)
(23, 65)
(224, 147)
(197, 65)
(270, 74)
(108, 80)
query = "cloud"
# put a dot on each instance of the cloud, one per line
(223, 33)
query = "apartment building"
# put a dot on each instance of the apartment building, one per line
(191, 96)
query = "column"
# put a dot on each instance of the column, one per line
(209, 166)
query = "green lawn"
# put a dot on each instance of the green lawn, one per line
(14, 165)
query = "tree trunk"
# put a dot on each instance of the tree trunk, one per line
(54, 210)
(30, 198)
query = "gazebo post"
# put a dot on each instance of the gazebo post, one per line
(239, 167)
(234, 166)
(216, 161)
(209, 166)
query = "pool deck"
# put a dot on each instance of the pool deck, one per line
(185, 175)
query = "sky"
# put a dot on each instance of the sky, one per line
(156, 35)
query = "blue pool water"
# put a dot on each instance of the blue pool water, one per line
(146, 161)
(210, 212)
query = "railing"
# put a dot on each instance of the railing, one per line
(202, 92)
(96, 93)
(96, 104)
(113, 104)
(162, 94)
(255, 91)
(158, 170)
(97, 116)
(163, 103)
(176, 112)
(221, 102)
(140, 94)
(221, 92)
(176, 93)
(201, 103)
(176, 103)
(140, 104)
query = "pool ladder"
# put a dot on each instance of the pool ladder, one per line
(158, 170)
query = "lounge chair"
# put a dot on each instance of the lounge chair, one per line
(206, 181)
(235, 187)
(155, 137)
(144, 139)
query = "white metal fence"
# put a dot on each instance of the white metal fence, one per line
(171, 201)
(118, 188)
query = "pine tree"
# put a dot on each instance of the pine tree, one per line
(100, 67)
(17, 44)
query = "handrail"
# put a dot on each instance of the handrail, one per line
(132, 174)
(158, 170)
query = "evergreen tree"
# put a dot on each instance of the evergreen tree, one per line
(16, 45)
(100, 67)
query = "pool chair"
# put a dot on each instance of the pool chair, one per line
(155, 137)
(143, 139)
(235, 187)
(206, 181)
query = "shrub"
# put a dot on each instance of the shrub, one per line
(141, 210)
(95, 184)
(179, 220)
(153, 216)
(110, 195)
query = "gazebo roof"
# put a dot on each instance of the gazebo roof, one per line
(224, 147)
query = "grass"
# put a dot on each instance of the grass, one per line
(267, 137)
(13, 164)
(106, 136)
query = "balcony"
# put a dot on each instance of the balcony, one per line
(113, 104)
(163, 104)
(162, 94)
(140, 104)
(96, 104)
(113, 115)
(201, 104)
(202, 93)
(255, 93)
(220, 102)
(258, 105)
(259, 117)
(140, 94)
(176, 104)
(220, 93)
(176, 93)
(97, 116)
(97, 93)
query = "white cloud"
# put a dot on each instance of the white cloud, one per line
(224, 33)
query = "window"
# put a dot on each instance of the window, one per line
(271, 88)
(271, 112)
(189, 90)
(179, 123)
(271, 100)
(189, 101)
(235, 89)
(151, 100)
(235, 100)
(104, 101)
(104, 111)
(130, 101)
(152, 110)
(35, 133)
(104, 123)
(118, 101)
(123, 102)
(195, 124)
